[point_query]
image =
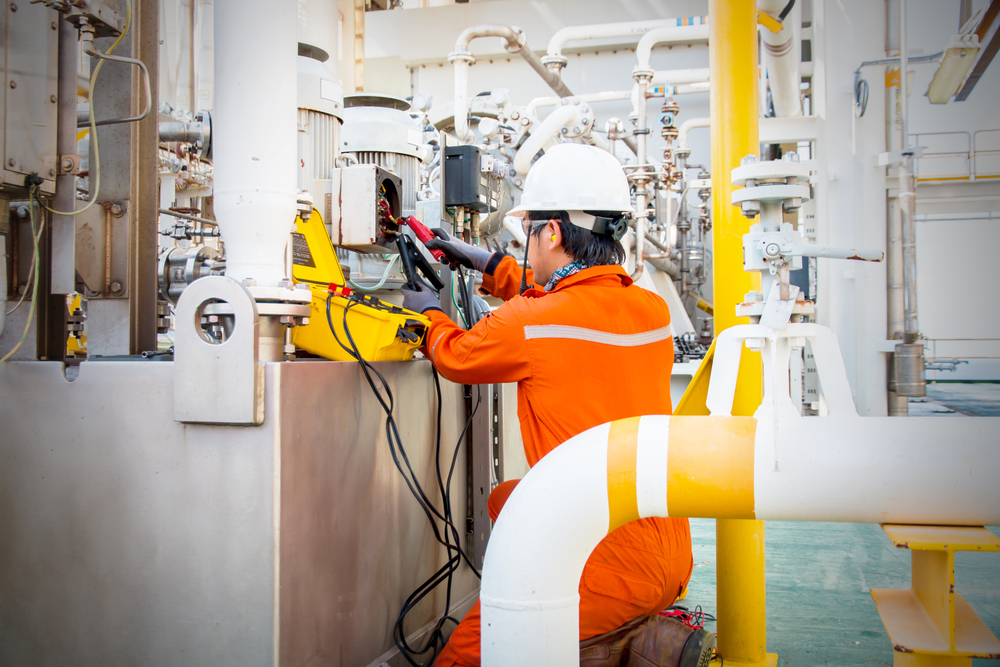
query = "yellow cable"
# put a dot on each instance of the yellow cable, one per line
(34, 288)
(93, 124)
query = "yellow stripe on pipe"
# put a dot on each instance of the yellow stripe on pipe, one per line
(710, 467)
(623, 445)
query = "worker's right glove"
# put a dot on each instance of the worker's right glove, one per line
(458, 251)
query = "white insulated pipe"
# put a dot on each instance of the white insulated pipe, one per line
(782, 57)
(254, 136)
(849, 468)
(462, 101)
(676, 34)
(547, 131)
(578, 33)
(685, 129)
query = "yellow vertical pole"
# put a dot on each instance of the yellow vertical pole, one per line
(735, 133)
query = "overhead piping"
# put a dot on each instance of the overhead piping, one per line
(782, 53)
(514, 42)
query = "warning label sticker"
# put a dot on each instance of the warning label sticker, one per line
(300, 251)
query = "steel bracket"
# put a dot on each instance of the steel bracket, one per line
(217, 383)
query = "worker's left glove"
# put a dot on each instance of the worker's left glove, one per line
(421, 299)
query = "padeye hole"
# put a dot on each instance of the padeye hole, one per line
(215, 321)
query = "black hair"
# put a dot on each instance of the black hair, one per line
(581, 244)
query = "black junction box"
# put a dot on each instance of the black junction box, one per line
(465, 184)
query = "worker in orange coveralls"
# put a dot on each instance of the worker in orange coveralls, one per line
(586, 347)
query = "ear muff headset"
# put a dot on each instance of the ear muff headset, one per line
(613, 227)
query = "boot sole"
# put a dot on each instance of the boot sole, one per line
(698, 649)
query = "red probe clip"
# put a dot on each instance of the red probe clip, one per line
(425, 235)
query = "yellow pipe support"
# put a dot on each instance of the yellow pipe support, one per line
(735, 133)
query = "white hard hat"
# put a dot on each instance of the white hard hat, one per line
(575, 178)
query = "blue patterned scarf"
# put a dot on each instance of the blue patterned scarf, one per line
(564, 272)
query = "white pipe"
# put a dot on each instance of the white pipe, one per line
(606, 96)
(185, 68)
(254, 136)
(685, 129)
(546, 131)
(462, 101)
(782, 56)
(775, 465)
(859, 469)
(513, 225)
(204, 68)
(670, 35)
(675, 76)
(604, 30)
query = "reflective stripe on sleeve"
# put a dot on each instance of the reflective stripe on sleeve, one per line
(593, 336)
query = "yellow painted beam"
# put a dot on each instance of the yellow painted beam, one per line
(735, 133)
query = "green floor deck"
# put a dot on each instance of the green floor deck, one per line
(819, 609)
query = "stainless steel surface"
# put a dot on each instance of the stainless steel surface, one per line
(480, 464)
(63, 269)
(130, 538)
(128, 174)
(30, 67)
(179, 267)
(218, 382)
(319, 147)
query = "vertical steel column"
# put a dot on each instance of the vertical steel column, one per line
(735, 133)
(122, 319)
(63, 270)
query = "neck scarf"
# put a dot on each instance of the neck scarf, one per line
(564, 272)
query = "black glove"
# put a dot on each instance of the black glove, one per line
(458, 251)
(421, 299)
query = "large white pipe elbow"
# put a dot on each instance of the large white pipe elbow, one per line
(782, 57)
(253, 140)
(546, 131)
(531, 575)
(849, 468)
(669, 35)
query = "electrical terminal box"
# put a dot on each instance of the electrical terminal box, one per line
(472, 178)
(356, 207)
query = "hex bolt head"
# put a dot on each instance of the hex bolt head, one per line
(67, 164)
(750, 208)
(564, 130)
(118, 209)
(213, 319)
(117, 287)
(52, 172)
(287, 320)
(790, 157)
(748, 160)
(53, 98)
(753, 296)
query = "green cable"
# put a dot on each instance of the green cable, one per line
(378, 286)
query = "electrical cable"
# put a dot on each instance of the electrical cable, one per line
(93, 123)
(377, 286)
(444, 574)
(31, 270)
(861, 95)
(32, 192)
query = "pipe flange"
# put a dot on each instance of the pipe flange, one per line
(522, 40)
(555, 63)
(642, 74)
(771, 193)
(770, 170)
(461, 56)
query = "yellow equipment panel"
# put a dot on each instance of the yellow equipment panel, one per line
(379, 330)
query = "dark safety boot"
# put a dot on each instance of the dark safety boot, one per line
(649, 641)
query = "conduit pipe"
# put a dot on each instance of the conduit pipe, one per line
(514, 42)
(783, 56)
(676, 34)
(555, 59)
(867, 470)
(547, 130)
(254, 144)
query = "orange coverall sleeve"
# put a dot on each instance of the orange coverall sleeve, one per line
(494, 350)
(504, 281)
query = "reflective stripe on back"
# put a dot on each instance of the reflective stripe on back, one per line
(593, 336)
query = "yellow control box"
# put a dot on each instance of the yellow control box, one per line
(380, 331)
